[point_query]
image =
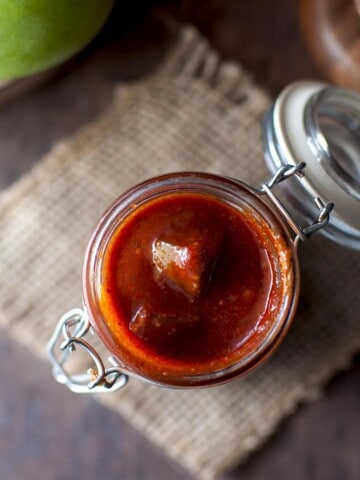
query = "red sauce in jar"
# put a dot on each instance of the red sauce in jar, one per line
(190, 285)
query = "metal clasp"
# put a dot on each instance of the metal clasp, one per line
(283, 173)
(67, 337)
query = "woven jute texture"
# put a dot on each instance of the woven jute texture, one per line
(195, 113)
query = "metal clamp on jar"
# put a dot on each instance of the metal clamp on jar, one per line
(312, 146)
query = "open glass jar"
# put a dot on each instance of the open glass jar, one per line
(192, 279)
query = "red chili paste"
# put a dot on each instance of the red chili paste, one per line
(190, 285)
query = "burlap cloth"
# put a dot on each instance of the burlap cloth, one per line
(193, 114)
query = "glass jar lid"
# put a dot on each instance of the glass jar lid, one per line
(320, 125)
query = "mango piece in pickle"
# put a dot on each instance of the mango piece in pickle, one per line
(186, 263)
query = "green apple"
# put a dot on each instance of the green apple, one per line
(38, 34)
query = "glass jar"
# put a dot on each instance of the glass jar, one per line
(169, 371)
(310, 122)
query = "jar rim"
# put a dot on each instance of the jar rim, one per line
(222, 188)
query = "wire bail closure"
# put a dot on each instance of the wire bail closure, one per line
(67, 337)
(281, 174)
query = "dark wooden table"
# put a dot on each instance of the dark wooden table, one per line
(45, 431)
